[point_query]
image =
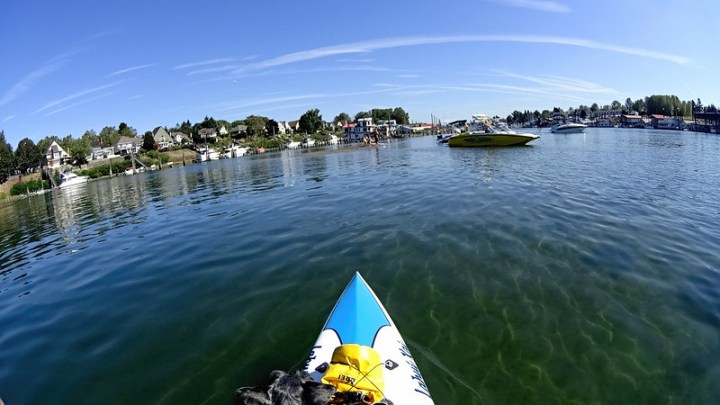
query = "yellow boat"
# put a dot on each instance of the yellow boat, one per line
(482, 131)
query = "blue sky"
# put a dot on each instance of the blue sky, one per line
(72, 66)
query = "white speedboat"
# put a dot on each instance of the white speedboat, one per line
(482, 131)
(71, 179)
(568, 128)
(293, 145)
(131, 170)
(334, 140)
(205, 154)
(234, 151)
(308, 142)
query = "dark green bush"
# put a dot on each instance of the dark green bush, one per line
(28, 187)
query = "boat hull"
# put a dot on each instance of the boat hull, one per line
(569, 130)
(493, 139)
(360, 318)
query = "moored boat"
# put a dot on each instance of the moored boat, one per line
(234, 151)
(482, 131)
(293, 144)
(568, 128)
(360, 351)
(206, 154)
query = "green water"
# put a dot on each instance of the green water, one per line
(581, 269)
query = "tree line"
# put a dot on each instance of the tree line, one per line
(29, 156)
(669, 105)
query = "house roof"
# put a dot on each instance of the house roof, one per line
(127, 139)
(632, 117)
(207, 131)
(55, 148)
(658, 116)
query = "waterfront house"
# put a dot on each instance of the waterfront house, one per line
(163, 140)
(222, 131)
(632, 121)
(127, 145)
(293, 127)
(357, 131)
(603, 123)
(56, 156)
(208, 134)
(180, 138)
(101, 153)
(283, 128)
(660, 121)
(238, 131)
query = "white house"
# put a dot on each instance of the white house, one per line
(180, 138)
(56, 156)
(163, 140)
(356, 132)
(127, 145)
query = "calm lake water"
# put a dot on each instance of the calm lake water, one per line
(583, 268)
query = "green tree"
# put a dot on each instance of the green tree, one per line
(27, 156)
(125, 130)
(79, 150)
(400, 116)
(311, 121)
(92, 137)
(256, 125)
(148, 141)
(362, 114)
(272, 127)
(628, 105)
(108, 136)
(208, 123)
(342, 118)
(378, 114)
(639, 106)
(6, 158)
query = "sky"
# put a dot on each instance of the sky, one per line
(67, 67)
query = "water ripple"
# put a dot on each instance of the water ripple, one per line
(581, 269)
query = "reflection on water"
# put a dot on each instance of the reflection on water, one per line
(579, 269)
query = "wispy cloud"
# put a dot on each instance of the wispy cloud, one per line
(131, 69)
(32, 78)
(81, 102)
(74, 96)
(8, 118)
(389, 43)
(541, 5)
(557, 83)
(203, 63)
(27, 82)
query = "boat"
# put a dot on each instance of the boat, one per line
(568, 128)
(234, 151)
(360, 350)
(71, 179)
(293, 144)
(308, 142)
(334, 140)
(206, 154)
(483, 131)
(131, 170)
